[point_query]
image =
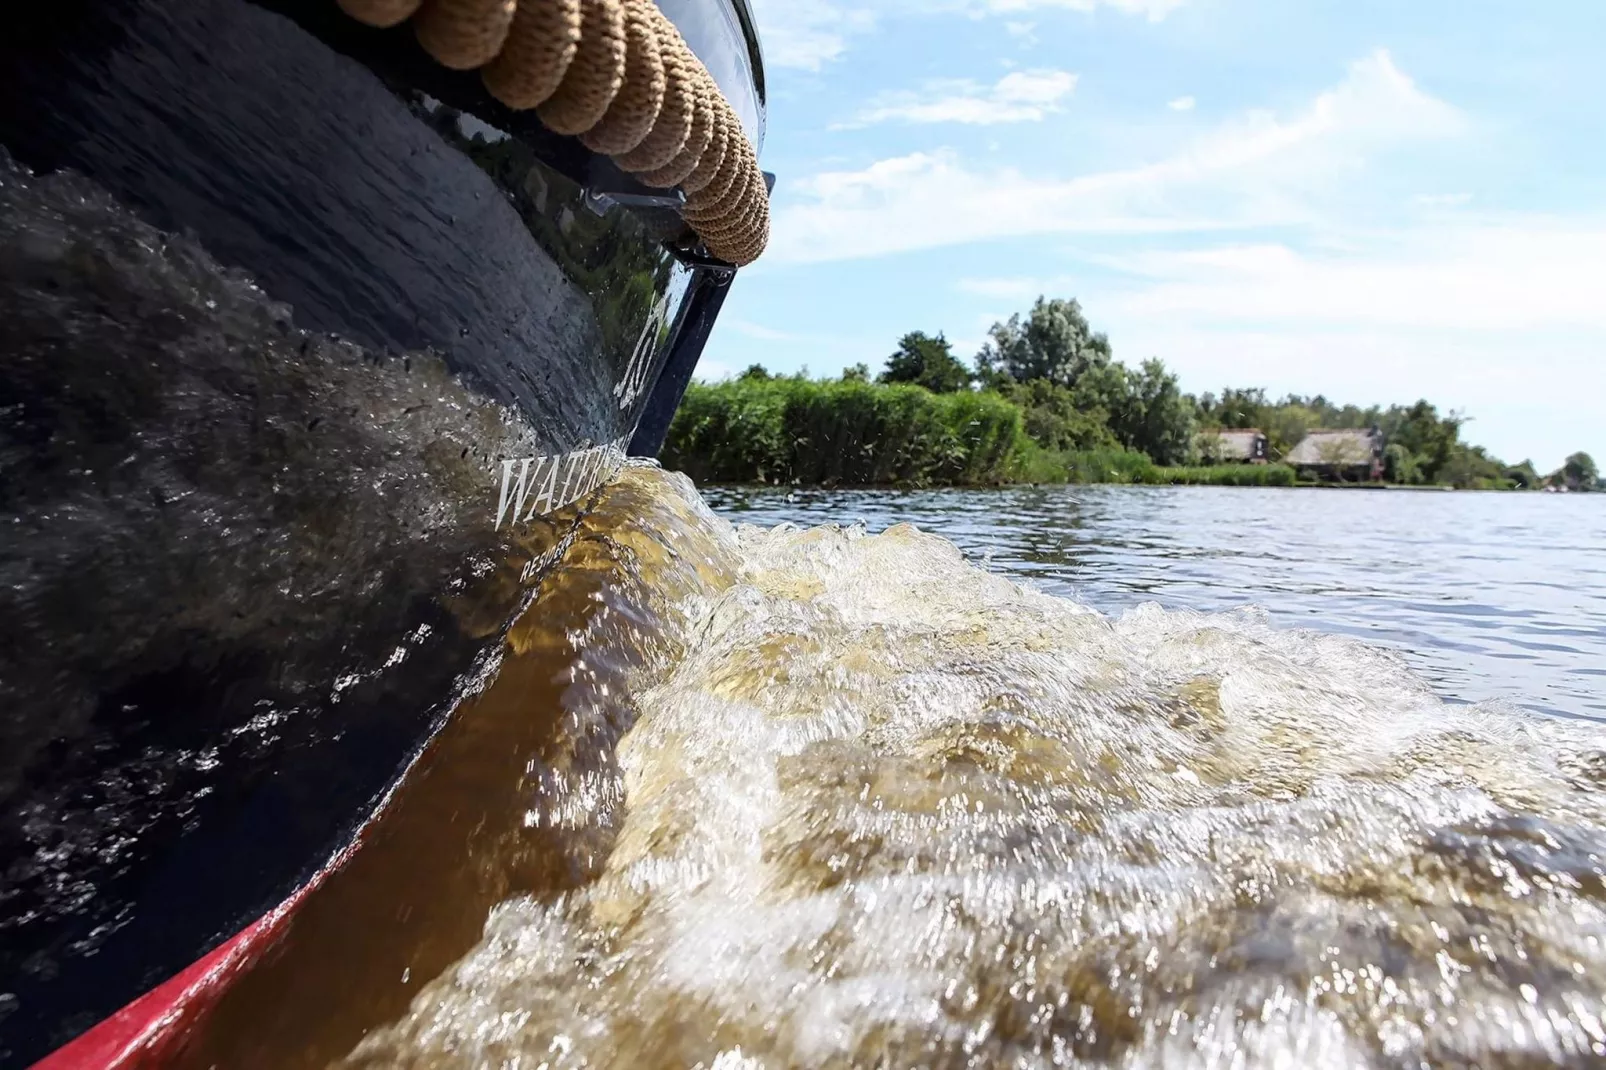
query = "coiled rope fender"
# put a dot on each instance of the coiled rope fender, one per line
(618, 75)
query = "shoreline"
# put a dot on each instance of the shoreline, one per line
(827, 487)
(793, 431)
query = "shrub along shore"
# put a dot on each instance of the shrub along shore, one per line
(1045, 403)
(857, 433)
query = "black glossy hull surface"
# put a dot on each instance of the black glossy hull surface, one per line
(280, 304)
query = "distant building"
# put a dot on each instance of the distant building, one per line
(1349, 456)
(1246, 446)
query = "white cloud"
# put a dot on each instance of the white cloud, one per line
(1480, 311)
(758, 331)
(713, 371)
(1494, 275)
(808, 34)
(1016, 288)
(1182, 104)
(1259, 170)
(1153, 10)
(1486, 314)
(927, 200)
(1020, 96)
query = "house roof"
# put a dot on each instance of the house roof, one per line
(1349, 447)
(1234, 444)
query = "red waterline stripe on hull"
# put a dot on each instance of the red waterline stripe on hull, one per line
(146, 1030)
(150, 1028)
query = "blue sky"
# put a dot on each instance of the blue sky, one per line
(1373, 199)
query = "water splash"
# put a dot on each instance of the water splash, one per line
(881, 807)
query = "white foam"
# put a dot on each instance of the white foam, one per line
(890, 809)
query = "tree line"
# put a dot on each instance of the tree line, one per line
(1075, 398)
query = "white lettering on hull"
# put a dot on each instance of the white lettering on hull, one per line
(538, 480)
(634, 384)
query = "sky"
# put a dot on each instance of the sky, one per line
(1375, 200)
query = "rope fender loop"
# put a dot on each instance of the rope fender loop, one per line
(540, 45)
(464, 34)
(618, 75)
(634, 111)
(672, 129)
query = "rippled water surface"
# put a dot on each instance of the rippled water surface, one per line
(1489, 596)
(748, 796)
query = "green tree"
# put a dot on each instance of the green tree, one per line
(1523, 475)
(1142, 410)
(1328, 414)
(1399, 466)
(1471, 468)
(1055, 342)
(1431, 438)
(1236, 408)
(1578, 472)
(754, 373)
(928, 362)
(856, 373)
(1055, 418)
(1153, 416)
(1285, 425)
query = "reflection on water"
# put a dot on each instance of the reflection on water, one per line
(1489, 596)
(816, 797)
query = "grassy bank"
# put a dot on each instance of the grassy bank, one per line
(1036, 465)
(843, 432)
(851, 432)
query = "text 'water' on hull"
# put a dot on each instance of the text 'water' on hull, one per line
(306, 337)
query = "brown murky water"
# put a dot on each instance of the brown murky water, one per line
(738, 797)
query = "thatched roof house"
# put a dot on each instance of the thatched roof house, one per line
(1346, 455)
(1233, 446)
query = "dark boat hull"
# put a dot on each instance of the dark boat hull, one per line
(287, 311)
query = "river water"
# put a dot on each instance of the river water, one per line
(1488, 596)
(1105, 777)
(756, 796)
